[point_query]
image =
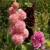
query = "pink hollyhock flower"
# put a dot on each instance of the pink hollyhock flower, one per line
(38, 35)
(13, 18)
(11, 30)
(20, 25)
(38, 38)
(15, 5)
(11, 10)
(36, 44)
(17, 39)
(25, 33)
(21, 14)
(42, 41)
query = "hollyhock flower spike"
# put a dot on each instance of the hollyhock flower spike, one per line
(17, 39)
(15, 5)
(18, 29)
(21, 14)
(30, 20)
(38, 38)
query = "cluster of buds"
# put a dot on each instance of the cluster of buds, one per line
(17, 29)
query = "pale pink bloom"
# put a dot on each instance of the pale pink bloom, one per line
(15, 5)
(11, 30)
(11, 10)
(20, 25)
(25, 33)
(13, 18)
(17, 39)
(21, 14)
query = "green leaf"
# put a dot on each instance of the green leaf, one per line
(29, 4)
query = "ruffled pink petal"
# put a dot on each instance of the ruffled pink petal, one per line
(17, 39)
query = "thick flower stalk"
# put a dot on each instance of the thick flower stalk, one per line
(17, 29)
